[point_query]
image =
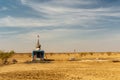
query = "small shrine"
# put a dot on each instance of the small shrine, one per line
(38, 54)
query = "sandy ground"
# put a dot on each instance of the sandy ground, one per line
(84, 66)
(62, 70)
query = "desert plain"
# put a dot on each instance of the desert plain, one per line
(64, 66)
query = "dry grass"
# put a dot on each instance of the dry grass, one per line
(63, 69)
(33, 75)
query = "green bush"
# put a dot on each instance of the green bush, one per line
(4, 56)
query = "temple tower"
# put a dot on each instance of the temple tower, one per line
(38, 45)
(38, 54)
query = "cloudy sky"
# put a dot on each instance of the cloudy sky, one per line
(63, 25)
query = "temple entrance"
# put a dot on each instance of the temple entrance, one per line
(38, 55)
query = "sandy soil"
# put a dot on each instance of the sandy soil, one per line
(62, 70)
(84, 66)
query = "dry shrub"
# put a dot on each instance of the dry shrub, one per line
(115, 61)
(109, 53)
(14, 61)
(5, 55)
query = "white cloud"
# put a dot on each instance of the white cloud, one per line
(65, 20)
(57, 2)
(26, 22)
(56, 10)
(3, 8)
(8, 32)
(56, 14)
(59, 14)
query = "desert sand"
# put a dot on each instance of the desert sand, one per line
(87, 67)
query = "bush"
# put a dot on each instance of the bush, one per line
(5, 55)
(109, 53)
(115, 61)
(14, 61)
(91, 53)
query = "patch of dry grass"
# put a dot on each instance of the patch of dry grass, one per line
(63, 69)
(32, 75)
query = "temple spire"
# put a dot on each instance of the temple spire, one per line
(38, 46)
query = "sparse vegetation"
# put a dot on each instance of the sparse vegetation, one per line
(61, 71)
(91, 53)
(115, 61)
(14, 61)
(63, 66)
(109, 53)
(5, 55)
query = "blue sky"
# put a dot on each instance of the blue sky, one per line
(63, 25)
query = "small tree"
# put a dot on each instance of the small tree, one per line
(91, 53)
(5, 55)
(109, 53)
(14, 61)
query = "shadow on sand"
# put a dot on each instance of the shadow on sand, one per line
(40, 61)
